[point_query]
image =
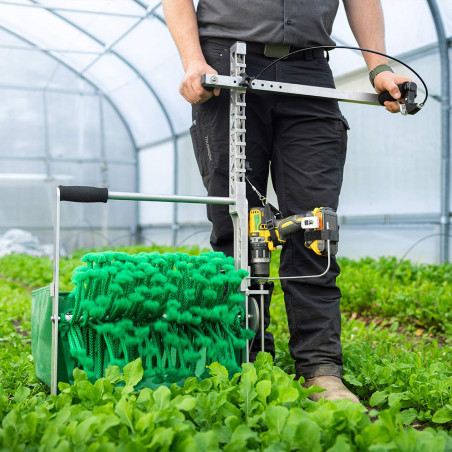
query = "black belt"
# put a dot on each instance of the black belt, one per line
(260, 49)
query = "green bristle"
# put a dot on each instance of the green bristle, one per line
(186, 317)
(143, 290)
(105, 328)
(150, 305)
(173, 304)
(236, 299)
(247, 334)
(135, 304)
(203, 341)
(207, 270)
(115, 289)
(159, 279)
(123, 278)
(209, 296)
(191, 356)
(228, 268)
(172, 339)
(157, 292)
(238, 343)
(95, 312)
(138, 275)
(131, 340)
(161, 326)
(84, 360)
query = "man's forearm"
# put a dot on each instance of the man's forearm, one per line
(181, 20)
(367, 23)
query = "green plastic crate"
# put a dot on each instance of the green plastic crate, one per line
(41, 343)
(41, 337)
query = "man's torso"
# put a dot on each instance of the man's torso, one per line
(300, 23)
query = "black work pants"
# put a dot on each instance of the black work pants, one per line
(303, 143)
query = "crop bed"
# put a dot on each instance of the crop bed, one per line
(397, 359)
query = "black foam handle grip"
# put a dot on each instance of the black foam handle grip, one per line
(76, 193)
(386, 96)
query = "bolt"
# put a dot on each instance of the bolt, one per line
(213, 79)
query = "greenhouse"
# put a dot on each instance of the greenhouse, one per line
(89, 96)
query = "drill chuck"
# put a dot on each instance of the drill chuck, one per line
(260, 257)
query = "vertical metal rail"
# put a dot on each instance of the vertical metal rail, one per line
(175, 190)
(104, 170)
(237, 183)
(54, 293)
(445, 132)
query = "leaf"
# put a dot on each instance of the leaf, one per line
(443, 415)
(184, 403)
(353, 380)
(21, 394)
(107, 421)
(207, 441)
(125, 412)
(377, 398)
(394, 398)
(263, 389)
(162, 397)
(79, 375)
(248, 393)
(275, 418)
(288, 395)
(113, 374)
(307, 436)
(408, 416)
(239, 439)
(133, 372)
(143, 398)
(219, 371)
(342, 444)
(85, 429)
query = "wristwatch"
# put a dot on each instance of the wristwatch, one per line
(375, 71)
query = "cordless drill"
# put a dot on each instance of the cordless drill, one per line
(267, 230)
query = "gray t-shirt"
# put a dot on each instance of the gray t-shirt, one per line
(300, 23)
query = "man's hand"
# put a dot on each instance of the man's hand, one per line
(191, 88)
(387, 81)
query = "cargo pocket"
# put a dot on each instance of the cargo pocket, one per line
(343, 128)
(199, 146)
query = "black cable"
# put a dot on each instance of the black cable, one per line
(349, 48)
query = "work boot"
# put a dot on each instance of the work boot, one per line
(335, 389)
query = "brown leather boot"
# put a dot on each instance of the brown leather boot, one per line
(335, 389)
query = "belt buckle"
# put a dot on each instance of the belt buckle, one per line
(276, 50)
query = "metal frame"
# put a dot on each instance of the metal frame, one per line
(445, 185)
(55, 285)
(237, 201)
(291, 89)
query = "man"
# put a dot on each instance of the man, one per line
(303, 141)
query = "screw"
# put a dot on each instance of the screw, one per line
(213, 79)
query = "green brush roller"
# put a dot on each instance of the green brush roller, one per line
(179, 313)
